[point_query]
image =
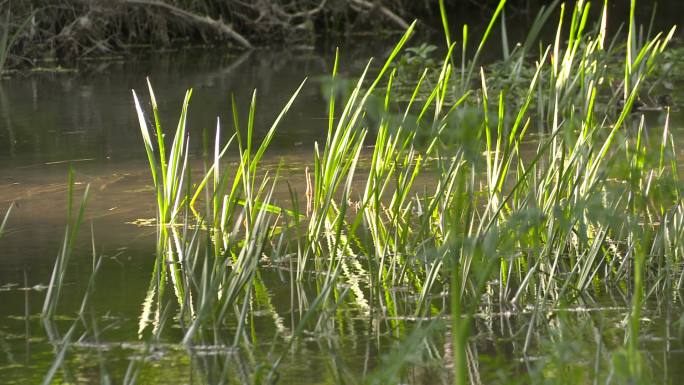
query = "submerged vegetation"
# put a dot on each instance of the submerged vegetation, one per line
(526, 193)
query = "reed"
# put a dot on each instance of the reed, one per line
(9, 37)
(524, 193)
(62, 261)
(5, 218)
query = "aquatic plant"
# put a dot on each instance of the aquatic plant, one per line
(5, 218)
(9, 37)
(54, 289)
(522, 194)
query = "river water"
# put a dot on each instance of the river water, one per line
(86, 119)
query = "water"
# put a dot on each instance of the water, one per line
(86, 119)
(90, 114)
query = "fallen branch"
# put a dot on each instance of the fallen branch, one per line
(384, 11)
(306, 13)
(217, 25)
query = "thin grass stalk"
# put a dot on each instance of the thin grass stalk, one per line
(5, 218)
(62, 261)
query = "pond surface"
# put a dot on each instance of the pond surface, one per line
(87, 119)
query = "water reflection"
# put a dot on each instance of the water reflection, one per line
(89, 114)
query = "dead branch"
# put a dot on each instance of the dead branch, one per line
(207, 21)
(383, 10)
(305, 13)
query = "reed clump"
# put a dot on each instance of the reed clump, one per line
(474, 203)
(595, 200)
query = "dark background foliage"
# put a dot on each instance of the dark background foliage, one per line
(68, 29)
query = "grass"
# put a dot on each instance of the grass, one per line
(526, 192)
(543, 225)
(62, 261)
(5, 218)
(8, 38)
